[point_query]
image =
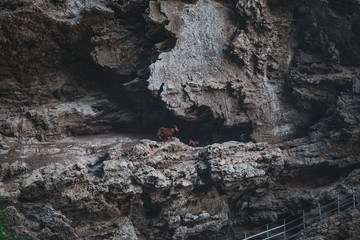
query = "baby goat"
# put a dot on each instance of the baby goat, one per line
(193, 143)
(166, 133)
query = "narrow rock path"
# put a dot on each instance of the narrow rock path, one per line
(85, 149)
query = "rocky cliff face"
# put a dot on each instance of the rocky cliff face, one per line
(270, 88)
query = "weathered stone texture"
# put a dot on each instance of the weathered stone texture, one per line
(171, 192)
(279, 78)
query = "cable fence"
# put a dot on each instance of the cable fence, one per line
(290, 228)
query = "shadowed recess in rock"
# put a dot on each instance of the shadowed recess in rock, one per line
(204, 128)
(97, 168)
(318, 176)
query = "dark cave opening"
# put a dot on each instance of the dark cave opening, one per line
(151, 114)
(205, 129)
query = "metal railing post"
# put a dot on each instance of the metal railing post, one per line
(304, 219)
(345, 202)
(354, 198)
(284, 229)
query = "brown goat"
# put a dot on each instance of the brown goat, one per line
(193, 143)
(166, 133)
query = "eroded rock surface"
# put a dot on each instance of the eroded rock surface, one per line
(226, 67)
(239, 60)
(152, 190)
(146, 189)
(280, 78)
(63, 65)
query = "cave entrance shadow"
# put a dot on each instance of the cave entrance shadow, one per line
(205, 129)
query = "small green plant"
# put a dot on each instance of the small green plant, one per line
(6, 234)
